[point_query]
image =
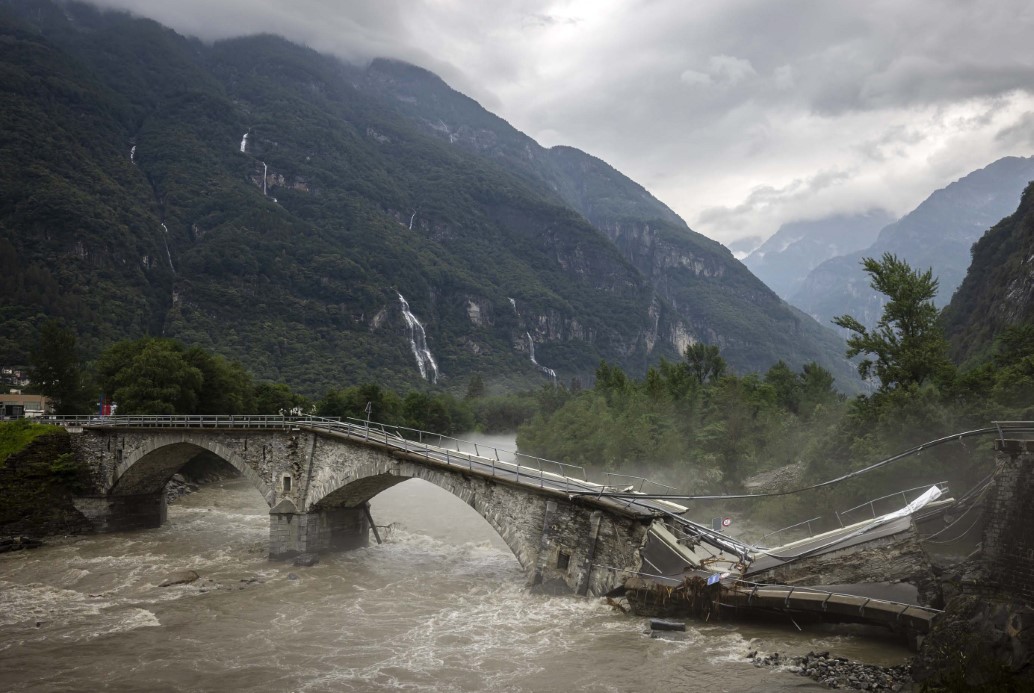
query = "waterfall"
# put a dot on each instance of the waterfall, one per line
(418, 342)
(531, 347)
(264, 170)
(132, 153)
(411, 221)
(165, 239)
(514, 304)
(244, 143)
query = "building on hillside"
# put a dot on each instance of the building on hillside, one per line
(13, 377)
(15, 405)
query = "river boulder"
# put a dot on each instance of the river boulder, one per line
(307, 560)
(180, 577)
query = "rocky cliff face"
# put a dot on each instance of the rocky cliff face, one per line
(998, 291)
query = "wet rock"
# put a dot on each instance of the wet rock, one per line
(181, 577)
(177, 487)
(979, 642)
(306, 560)
(292, 576)
(838, 672)
(18, 543)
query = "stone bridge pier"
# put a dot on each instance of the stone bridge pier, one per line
(318, 485)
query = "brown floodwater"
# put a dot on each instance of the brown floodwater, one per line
(440, 606)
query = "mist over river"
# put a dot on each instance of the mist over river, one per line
(440, 606)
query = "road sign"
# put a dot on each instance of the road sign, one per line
(726, 521)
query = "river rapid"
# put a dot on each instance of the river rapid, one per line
(440, 606)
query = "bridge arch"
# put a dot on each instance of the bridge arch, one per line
(146, 468)
(378, 474)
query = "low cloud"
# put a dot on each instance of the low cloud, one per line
(728, 112)
(723, 70)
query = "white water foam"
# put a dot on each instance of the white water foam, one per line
(531, 348)
(165, 239)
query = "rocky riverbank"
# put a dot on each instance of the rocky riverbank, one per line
(839, 672)
(18, 543)
(204, 469)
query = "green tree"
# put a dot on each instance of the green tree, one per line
(705, 362)
(227, 387)
(816, 389)
(151, 376)
(475, 387)
(56, 371)
(906, 347)
(385, 406)
(277, 398)
(787, 386)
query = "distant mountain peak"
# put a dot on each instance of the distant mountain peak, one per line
(784, 260)
(938, 234)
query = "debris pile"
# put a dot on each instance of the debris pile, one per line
(838, 672)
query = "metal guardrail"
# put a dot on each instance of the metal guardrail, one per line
(540, 464)
(786, 529)
(871, 504)
(643, 481)
(943, 485)
(745, 585)
(552, 474)
(176, 421)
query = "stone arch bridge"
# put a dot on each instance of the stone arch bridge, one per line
(318, 476)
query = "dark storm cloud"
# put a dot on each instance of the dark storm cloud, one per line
(725, 110)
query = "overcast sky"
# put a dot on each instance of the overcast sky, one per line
(738, 114)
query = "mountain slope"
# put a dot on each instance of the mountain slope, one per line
(785, 259)
(998, 290)
(714, 297)
(937, 234)
(74, 212)
(276, 205)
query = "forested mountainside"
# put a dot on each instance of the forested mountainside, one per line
(714, 298)
(998, 290)
(275, 205)
(937, 234)
(785, 259)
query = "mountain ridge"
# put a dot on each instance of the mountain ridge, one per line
(785, 258)
(339, 203)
